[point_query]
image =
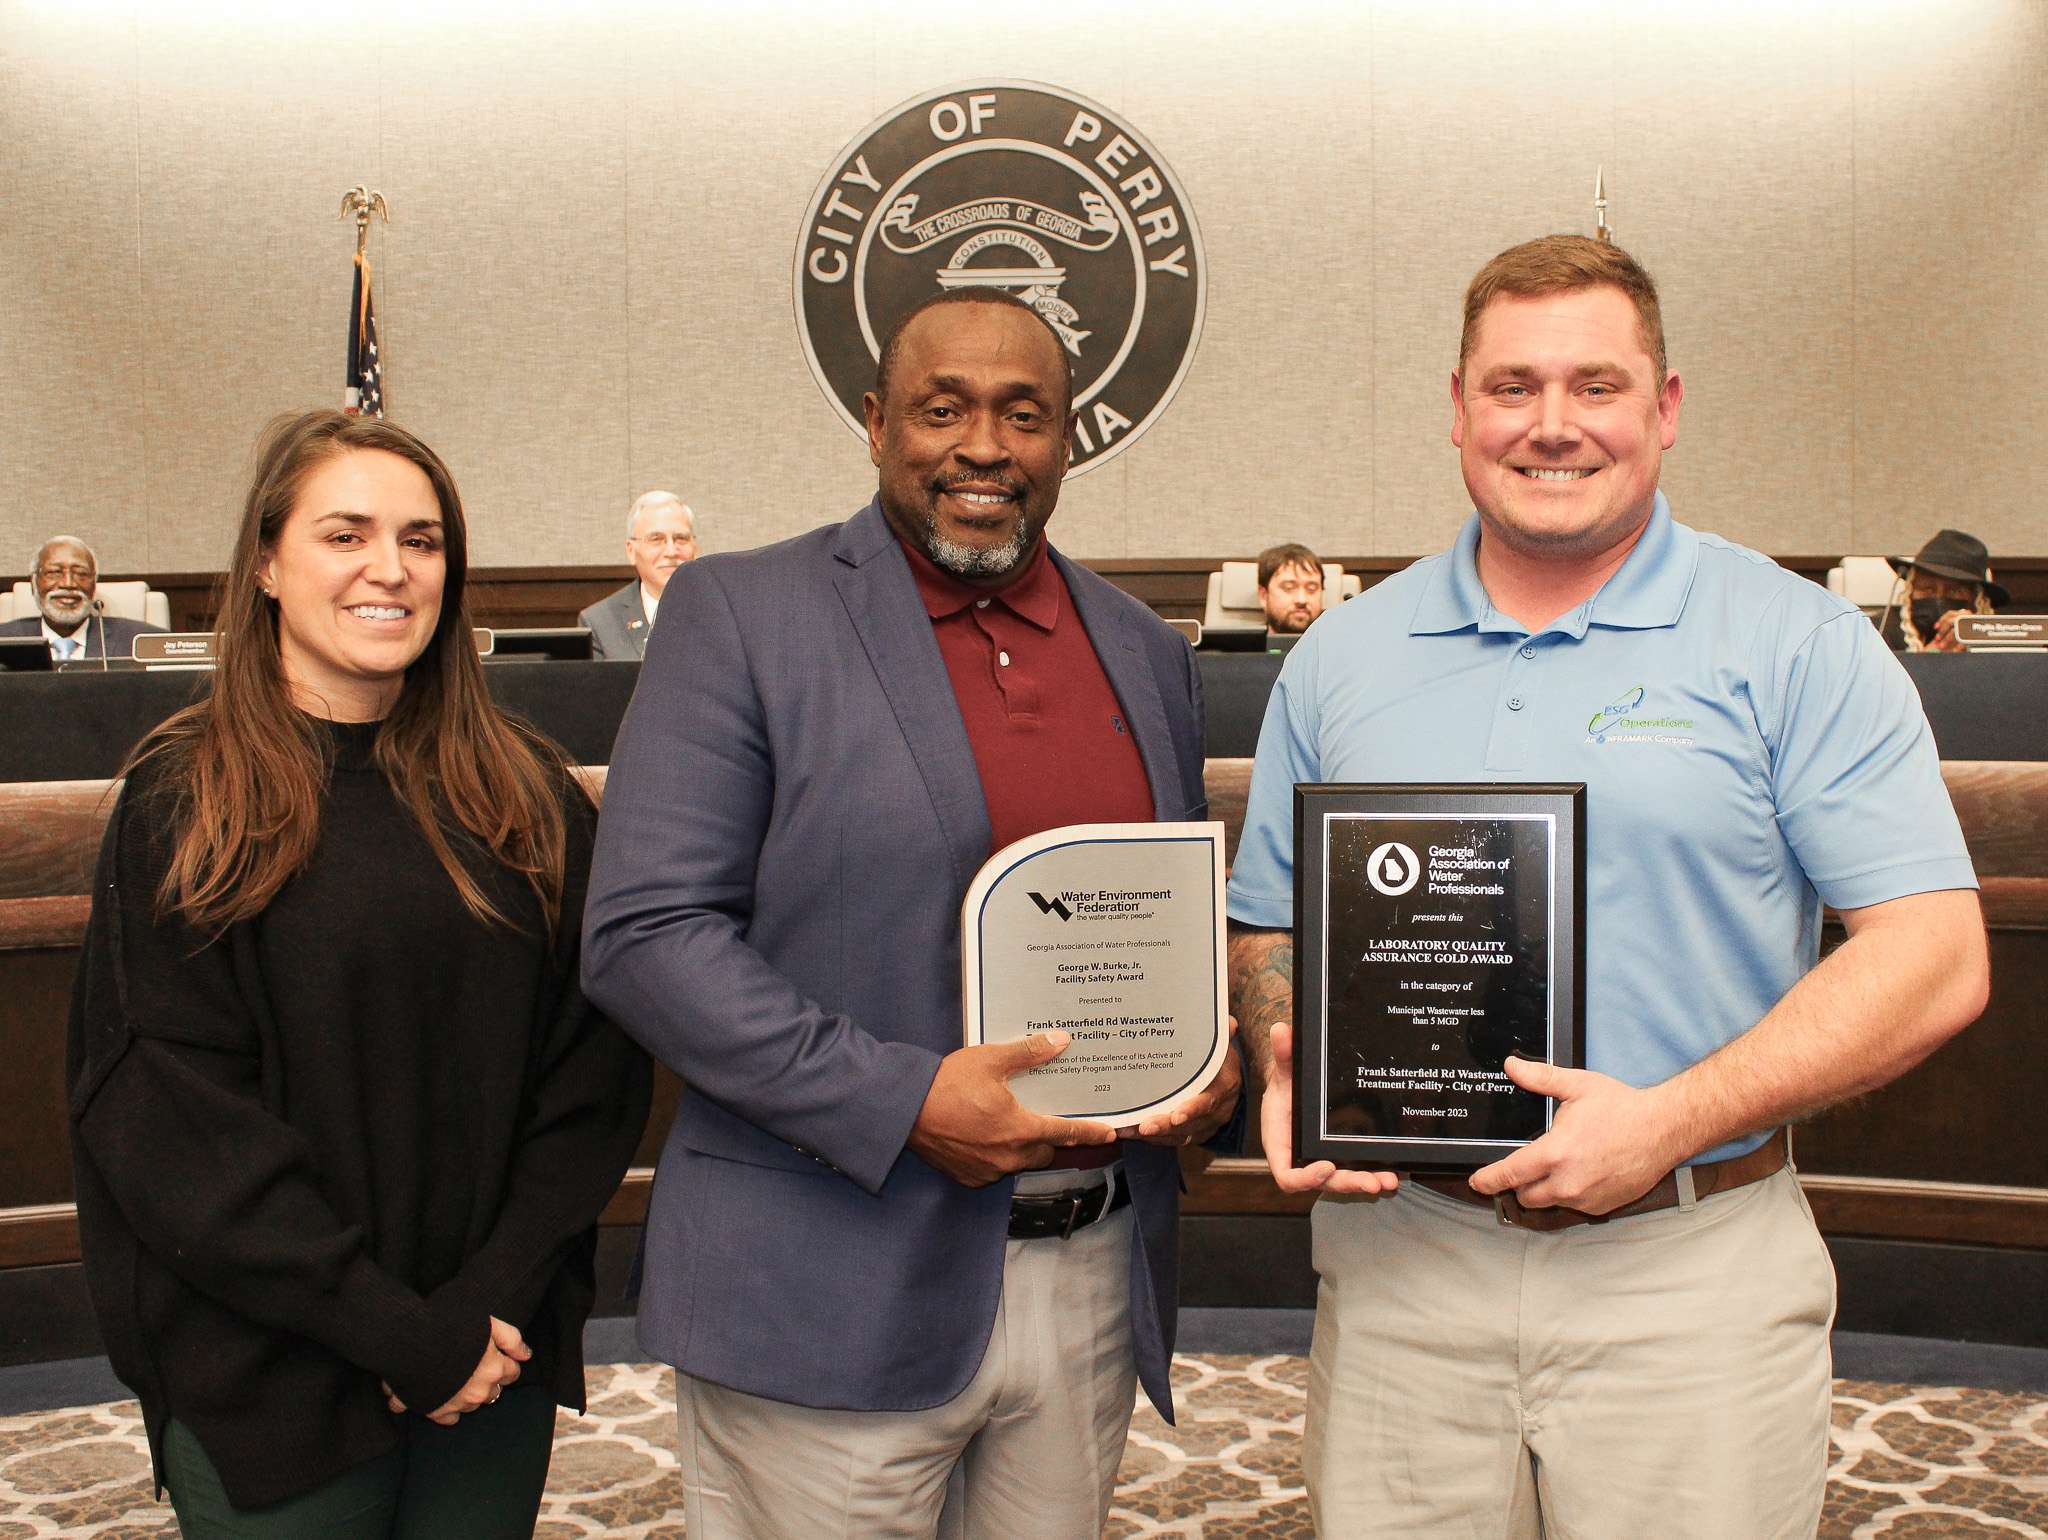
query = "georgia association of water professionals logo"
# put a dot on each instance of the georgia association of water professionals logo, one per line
(1392, 869)
(1025, 188)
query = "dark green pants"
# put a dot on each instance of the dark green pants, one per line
(479, 1480)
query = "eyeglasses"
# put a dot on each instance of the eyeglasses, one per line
(83, 575)
(665, 542)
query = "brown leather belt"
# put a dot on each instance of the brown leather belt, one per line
(1681, 1189)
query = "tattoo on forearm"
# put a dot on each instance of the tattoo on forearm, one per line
(1262, 989)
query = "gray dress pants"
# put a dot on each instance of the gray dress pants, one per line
(1028, 1451)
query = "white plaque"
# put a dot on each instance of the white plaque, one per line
(1114, 934)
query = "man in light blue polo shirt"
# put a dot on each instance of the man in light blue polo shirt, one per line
(1490, 1360)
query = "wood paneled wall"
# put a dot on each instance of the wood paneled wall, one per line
(1950, 1152)
(1174, 586)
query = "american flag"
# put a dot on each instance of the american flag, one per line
(365, 394)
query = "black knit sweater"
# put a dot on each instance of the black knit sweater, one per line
(325, 1148)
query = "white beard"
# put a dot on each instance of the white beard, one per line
(61, 618)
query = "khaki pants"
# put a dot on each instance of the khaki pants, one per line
(1662, 1376)
(1028, 1451)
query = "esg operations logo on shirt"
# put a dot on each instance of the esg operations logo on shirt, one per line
(1616, 722)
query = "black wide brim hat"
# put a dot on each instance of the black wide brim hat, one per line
(1953, 554)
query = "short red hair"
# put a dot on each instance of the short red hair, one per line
(1565, 264)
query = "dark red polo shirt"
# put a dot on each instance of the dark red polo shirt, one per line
(1048, 733)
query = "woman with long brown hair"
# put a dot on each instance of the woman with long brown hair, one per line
(342, 1119)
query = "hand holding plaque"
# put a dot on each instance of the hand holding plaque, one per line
(1439, 929)
(1113, 934)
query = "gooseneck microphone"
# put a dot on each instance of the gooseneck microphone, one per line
(99, 609)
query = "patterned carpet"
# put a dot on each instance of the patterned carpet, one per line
(1911, 1463)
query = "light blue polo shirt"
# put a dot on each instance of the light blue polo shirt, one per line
(1750, 749)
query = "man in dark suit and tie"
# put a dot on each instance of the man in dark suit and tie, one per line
(881, 1328)
(65, 578)
(661, 534)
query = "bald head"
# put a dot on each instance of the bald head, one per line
(916, 316)
(969, 432)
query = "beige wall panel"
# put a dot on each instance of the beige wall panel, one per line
(1258, 113)
(72, 386)
(504, 312)
(1488, 122)
(244, 267)
(721, 165)
(587, 290)
(1952, 277)
(1733, 183)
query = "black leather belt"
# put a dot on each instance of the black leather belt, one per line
(1057, 1215)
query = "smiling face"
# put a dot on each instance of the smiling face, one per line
(662, 541)
(64, 584)
(972, 441)
(1562, 423)
(357, 573)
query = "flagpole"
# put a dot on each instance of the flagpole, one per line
(363, 393)
(1600, 230)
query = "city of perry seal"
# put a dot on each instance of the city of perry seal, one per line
(1025, 188)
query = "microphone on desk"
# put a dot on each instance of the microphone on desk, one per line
(99, 608)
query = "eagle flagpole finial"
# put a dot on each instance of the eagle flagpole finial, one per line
(364, 201)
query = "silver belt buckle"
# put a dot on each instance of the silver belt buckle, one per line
(1073, 1215)
(1079, 1198)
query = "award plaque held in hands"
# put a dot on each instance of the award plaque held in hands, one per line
(1113, 934)
(1438, 929)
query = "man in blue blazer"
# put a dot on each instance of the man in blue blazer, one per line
(878, 1326)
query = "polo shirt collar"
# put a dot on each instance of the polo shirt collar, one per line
(1034, 596)
(1648, 592)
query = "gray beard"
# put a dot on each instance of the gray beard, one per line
(973, 561)
(61, 619)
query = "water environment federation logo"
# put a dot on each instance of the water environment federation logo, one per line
(1025, 188)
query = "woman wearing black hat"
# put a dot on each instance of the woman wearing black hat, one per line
(1950, 577)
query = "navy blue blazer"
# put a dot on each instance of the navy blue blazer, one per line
(792, 818)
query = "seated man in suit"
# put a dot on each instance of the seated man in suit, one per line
(65, 576)
(660, 536)
(1290, 588)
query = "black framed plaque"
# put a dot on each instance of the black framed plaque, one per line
(1438, 929)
